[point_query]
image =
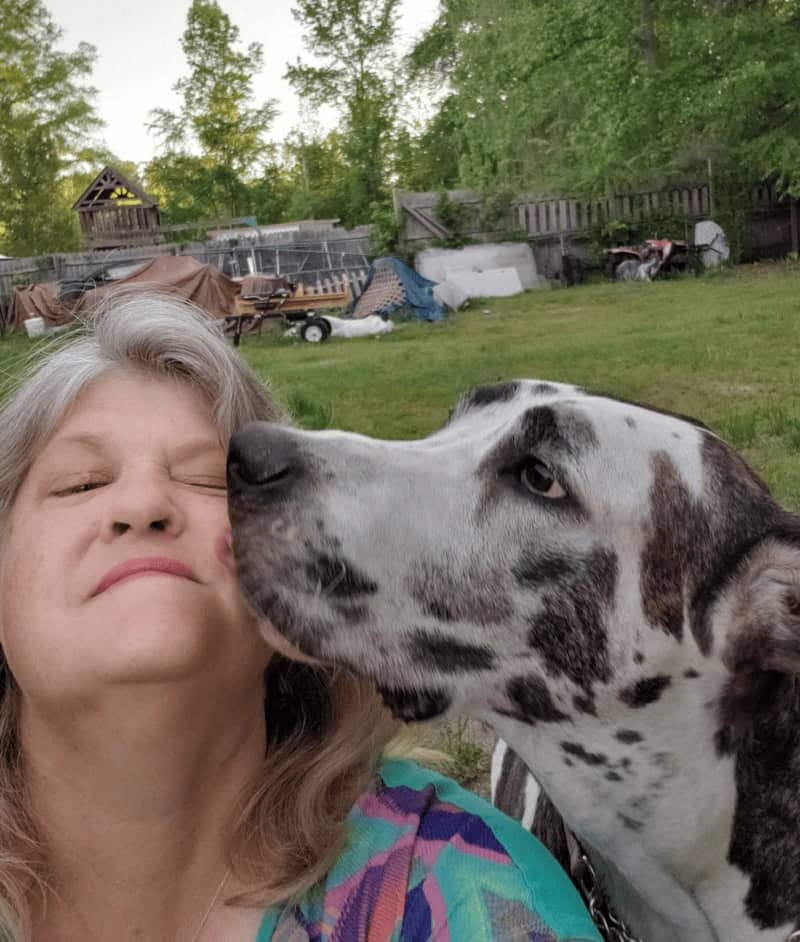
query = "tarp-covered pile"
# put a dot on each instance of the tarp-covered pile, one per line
(206, 286)
(393, 287)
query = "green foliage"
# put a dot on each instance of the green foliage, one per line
(353, 41)
(385, 236)
(218, 117)
(467, 761)
(586, 96)
(317, 175)
(46, 113)
(427, 157)
(454, 216)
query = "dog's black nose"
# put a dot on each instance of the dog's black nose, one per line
(263, 456)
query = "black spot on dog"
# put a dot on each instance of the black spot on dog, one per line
(693, 545)
(544, 389)
(663, 760)
(415, 705)
(691, 674)
(450, 655)
(674, 514)
(628, 736)
(536, 568)
(584, 704)
(645, 691)
(563, 430)
(337, 577)
(767, 770)
(613, 776)
(630, 823)
(577, 750)
(630, 421)
(568, 762)
(487, 396)
(638, 657)
(475, 595)
(570, 630)
(531, 701)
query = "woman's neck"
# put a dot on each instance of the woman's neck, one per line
(135, 794)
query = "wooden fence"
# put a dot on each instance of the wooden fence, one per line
(541, 217)
(554, 225)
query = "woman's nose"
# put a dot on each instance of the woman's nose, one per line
(145, 504)
(121, 526)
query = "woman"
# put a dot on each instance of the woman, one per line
(163, 774)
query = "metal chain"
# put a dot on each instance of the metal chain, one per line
(611, 927)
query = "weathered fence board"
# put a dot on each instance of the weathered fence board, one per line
(548, 221)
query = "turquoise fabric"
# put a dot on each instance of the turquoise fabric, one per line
(428, 860)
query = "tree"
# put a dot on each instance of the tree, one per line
(354, 41)
(218, 117)
(589, 95)
(46, 113)
(317, 173)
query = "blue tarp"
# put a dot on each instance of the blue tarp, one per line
(419, 300)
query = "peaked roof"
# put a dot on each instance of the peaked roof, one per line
(110, 187)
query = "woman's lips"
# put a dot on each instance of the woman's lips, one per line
(153, 565)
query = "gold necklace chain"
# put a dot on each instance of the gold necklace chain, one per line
(214, 898)
(197, 931)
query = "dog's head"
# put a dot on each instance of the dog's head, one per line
(548, 554)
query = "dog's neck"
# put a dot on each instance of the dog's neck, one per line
(668, 814)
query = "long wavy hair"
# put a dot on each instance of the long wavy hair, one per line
(325, 729)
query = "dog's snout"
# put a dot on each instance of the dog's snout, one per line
(263, 456)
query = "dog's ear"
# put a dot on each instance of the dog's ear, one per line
(761, 612)
(764, 612)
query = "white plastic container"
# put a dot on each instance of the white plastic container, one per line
(34, 326)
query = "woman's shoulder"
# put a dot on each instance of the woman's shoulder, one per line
(428, 860)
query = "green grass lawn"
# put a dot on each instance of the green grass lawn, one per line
(724, 348)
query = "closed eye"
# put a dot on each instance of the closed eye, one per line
(82, 488)
(208, 484)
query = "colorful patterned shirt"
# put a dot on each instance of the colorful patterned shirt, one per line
(429, 861)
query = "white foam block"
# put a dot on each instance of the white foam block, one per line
(494, 283)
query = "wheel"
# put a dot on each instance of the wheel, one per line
(313, 330)
(326, 326)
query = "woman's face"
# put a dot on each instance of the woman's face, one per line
(114, 568)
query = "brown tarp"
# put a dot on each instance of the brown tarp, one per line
(183, 275)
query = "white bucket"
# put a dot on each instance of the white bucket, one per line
(34, 326)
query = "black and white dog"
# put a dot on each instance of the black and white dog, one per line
(609, 586)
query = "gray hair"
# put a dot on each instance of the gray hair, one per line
(158, 334)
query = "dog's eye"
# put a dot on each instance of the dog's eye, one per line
(538, 479)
